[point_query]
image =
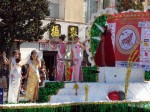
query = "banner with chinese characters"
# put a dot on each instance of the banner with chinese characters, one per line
(55, 31)
(130, 29)
(72, 32)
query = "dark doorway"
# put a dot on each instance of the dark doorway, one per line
(50, 62)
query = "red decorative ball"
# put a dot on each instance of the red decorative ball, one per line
(114, 95)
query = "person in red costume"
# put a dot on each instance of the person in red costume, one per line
(104, 55)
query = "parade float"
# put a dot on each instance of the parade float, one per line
(130, 76)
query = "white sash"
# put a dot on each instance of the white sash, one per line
(75, 54)
(36, 71)
(13, 64)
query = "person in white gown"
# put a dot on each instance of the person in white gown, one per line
(14, 75)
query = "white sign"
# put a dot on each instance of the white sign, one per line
(44, 46)
(145, 46)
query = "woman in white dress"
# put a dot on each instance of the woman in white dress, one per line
(14, 75)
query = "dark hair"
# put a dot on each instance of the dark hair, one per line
(105, 31)
(19, 58)
(34, 51)
(76, 37)
(62, 37)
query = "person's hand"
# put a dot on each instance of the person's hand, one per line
(49, 41)
(4, 55)
(55, 46)
(79, 42)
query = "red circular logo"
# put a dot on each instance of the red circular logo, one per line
(127, 39)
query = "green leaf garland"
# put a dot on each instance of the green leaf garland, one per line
(95, 32)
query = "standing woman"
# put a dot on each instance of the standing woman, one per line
(14, 76)
(61, 48)
(77, 59)
(33, 77)
(105, 55)
(42, 72)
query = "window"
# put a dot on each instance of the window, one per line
(90, 7)
(94, 6)
(109, 4)
(54, 10)
(85, 16)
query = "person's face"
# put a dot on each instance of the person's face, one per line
(34, 55)
(59, 40)
(76, 40)
(16, 55)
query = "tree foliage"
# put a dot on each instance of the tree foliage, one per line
(123, 5)
(21, 20)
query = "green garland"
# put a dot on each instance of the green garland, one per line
(51, 88)
(95, 32)
(88, 76)
(84, 107)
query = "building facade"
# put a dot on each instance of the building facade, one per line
(66, 14)
(69, 20)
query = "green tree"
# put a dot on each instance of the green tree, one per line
(21, 20)
(124, 5)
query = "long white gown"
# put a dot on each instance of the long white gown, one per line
(14, 82)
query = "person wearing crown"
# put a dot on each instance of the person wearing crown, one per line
(33, 77)
(104, 55)
(14, 75)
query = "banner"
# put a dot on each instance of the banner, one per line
(128, 31)
(72, 32)
(55, 31)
